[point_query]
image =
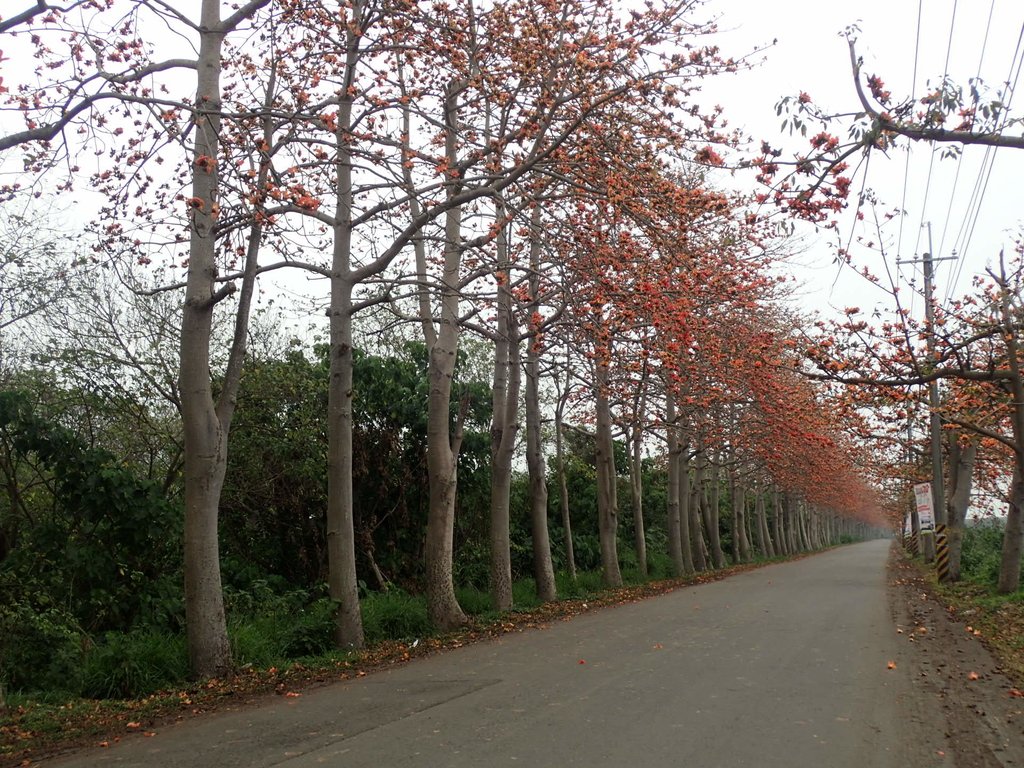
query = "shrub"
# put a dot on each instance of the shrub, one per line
(659, 564)
(133, 664)
(586, 585)
(472, 566)
(524, 594)
(982, 551)
(40, 647)
(394, 615)
(474, 602)
(312, 631)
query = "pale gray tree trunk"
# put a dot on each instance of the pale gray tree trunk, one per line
(637, 493)
(673, 520)
(1013, 537)
(342, 581)
(778, 533)
(961, 474)
(1013, 534)
(342, 578)
(686, 515)
(709, 508)
(543, 568)
(504, 415)
(206, 422)
(759, 525)
(563, 487)
(789, 511)
(740, 517)
(802, 515)
(698, 500)
(607, 501)
(442, 447)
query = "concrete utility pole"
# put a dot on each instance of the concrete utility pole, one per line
(938, 486)
(935, 422)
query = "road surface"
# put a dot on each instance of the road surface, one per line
(785, 665)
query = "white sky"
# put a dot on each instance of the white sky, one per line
(811, 56)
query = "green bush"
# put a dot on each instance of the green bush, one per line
(312, 630)
(586, 585)
(40, 647)
(524, 594)
(258, 641)
(394, 615)
(475, 602)
(659, 564)
(472, 566)
(133, 664)
(982, 551)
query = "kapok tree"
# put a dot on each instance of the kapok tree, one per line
(96, 58)
(977, 350)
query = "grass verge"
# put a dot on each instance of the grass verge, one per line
(997, 619)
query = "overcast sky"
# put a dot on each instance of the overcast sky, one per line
(811, 56)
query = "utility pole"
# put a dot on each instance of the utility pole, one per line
(938, 486)
(935, 422)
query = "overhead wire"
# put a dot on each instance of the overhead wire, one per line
(931, 159)
(960, 158)
(966, 234)
(906, 166)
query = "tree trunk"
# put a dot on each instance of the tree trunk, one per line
(789, 509)
(697, 502)
(442, 447)
(607, 502)
(1013, 534)
(543, 569)
(205, 426)
(740, 519)
(342, 578)
(563, 491)
(673, 513)
(637, 497)
(1013, 537)
(802, 514)
(759, 525)
(777, 529)
(709, 507)
(961, 474)
(504, 414)
(685, 514)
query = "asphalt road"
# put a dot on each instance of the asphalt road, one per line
(781, 666)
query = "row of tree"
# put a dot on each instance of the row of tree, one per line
(530, 173)
(967, 433)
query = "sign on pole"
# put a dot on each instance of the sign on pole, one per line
(925, 513)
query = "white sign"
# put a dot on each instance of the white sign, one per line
(923, 494)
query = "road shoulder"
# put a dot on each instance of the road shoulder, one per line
(954, 679)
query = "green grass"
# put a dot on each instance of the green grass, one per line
(133, 664)
(474, 601)
(395, 615)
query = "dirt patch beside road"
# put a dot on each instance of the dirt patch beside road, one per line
(951, 669)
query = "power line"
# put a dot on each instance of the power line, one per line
(960, 159)
(931, 159)
(988, 163)
(906, 166)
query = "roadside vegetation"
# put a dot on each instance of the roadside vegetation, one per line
(977, 602)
